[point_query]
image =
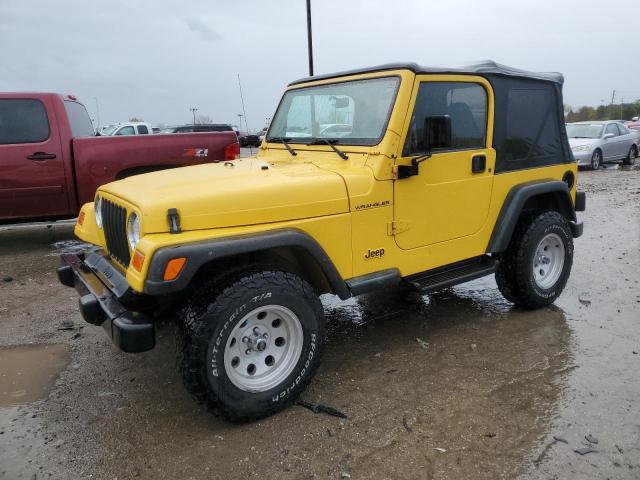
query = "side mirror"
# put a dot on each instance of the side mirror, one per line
(437, 132)
(608, 135)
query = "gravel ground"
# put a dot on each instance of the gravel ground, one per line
(453, 385)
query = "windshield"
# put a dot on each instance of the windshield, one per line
(352, 113)
(584, 130)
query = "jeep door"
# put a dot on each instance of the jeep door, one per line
(449, 197)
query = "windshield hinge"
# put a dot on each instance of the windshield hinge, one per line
(397, 226)
(174, 220)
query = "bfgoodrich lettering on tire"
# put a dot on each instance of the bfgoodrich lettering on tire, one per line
(535, 268)
(250, 343)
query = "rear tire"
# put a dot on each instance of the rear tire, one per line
(631, 156)
(249, 344)
(535, 268)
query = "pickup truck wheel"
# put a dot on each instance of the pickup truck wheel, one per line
(536, 266)
(631, 156)
(249, 345)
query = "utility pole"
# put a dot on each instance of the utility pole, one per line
(621, 107)
(613, 96)
(193, 110)
(309, 40)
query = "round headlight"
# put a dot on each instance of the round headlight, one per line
(133, 230)
(97, 207)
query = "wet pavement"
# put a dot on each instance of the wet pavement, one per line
(454, 385)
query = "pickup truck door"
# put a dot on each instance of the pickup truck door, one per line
(449, 197)
(32, 177)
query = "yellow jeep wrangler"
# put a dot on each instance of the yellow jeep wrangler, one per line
(366, 179)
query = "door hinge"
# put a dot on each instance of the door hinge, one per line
(397, 226)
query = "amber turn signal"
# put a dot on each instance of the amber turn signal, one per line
(138, 260)
(174, 267)
(81, 218)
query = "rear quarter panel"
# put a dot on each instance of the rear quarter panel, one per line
(100, 160)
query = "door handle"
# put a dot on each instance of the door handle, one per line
(39, 156)
(478, 163)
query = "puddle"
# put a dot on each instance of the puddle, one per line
(68, 246)
(27, 372)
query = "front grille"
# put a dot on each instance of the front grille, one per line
(114, 221)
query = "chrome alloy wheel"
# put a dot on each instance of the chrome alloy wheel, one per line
(263, 348)
(548, 261)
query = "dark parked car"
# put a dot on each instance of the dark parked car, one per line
(213, 127)
(249, 139)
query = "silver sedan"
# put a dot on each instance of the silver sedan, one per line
(596, 143)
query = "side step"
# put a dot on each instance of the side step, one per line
(453, 274)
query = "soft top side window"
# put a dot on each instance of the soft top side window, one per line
(466, 104)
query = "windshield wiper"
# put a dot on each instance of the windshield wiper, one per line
(283, 140)
(331, 143)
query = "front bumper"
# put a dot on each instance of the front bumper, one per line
(583, 157)
(103, 289)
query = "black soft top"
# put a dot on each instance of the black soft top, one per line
(484, 68)
(529, 129)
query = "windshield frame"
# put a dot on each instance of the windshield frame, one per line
(340, 140)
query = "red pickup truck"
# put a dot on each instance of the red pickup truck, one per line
(51, 162)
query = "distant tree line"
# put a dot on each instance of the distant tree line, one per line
(625, 111)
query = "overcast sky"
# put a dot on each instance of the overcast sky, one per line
(155, 59)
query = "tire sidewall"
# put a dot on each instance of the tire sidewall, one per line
(549, 294)
(216, 338)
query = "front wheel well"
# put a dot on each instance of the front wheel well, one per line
(289, 259)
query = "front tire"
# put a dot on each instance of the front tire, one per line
(250, 344)
(596, 160)
(631, 156)
(535, 268)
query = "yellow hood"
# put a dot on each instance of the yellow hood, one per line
(237, 193)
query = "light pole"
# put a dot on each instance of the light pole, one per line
(309, 40)
(240, 119)
(193, 110)
(97, 111)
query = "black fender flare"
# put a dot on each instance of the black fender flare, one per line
(202, 252)
(515, 202)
